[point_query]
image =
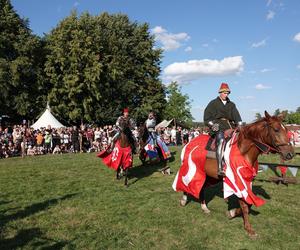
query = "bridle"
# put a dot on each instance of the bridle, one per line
(266, 148)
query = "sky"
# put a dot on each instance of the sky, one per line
(254, 46)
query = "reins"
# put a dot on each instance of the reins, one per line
(266, 148)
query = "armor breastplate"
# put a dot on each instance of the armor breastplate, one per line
(150, 123)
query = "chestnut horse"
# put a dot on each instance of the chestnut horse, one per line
(263, 136)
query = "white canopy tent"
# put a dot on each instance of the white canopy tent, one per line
(163, 124)
(47, 119)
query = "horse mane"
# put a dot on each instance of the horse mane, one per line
(127, 131)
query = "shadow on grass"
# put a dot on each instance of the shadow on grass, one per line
(233, 202)
(24, 236)
(147, 169)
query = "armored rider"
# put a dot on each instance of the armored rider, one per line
(150, 125)
(123, 119)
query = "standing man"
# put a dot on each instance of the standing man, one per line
(219, 115)
(124, 119)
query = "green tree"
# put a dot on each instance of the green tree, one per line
(258, 116)
(293, 118)
(97, 65)
(277, 112)
(21, 62)
(178, 105)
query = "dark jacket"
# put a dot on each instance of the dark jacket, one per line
(222, 114)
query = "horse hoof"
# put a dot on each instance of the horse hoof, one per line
(183, 202)
(230, 214)
(252, 235)
(206, 211)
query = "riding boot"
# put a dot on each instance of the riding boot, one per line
(219, 155)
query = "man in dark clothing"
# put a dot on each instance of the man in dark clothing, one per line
(219, 115)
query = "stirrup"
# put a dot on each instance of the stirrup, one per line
(221, 172)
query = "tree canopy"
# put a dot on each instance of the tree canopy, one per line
(178, 104)
(97, 65)
(21, 66)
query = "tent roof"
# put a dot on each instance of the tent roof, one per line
(47, 119)
(163, 124)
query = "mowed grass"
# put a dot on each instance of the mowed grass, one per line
(73, 201)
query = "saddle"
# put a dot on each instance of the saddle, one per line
(211, 144)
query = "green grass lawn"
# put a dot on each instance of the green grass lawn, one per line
(73, 201)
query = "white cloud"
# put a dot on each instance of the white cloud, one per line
(248, 97)
(215, 40)
(269, 2)
(266, 70)
(168, 40)
(262, 87)
(205, 45)
(188, 49)
(184, 72)
(259, 44)
(270, 15)
(298, 66)
(297, 37)
(76, 4)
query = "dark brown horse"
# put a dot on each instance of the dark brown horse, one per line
(126, 140)
(263, 136)
(120, 158)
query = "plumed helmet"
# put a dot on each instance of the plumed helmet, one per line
(224, 88)
(126, 110)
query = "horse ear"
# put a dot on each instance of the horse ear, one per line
(267, 115)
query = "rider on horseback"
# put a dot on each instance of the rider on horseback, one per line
(150, 125)
(124, 119)
(219, 115)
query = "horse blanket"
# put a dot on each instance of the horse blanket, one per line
(239, 174)
(191, 175)
(117, 157)
(152, 151)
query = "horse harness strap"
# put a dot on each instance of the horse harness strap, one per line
(265, 148)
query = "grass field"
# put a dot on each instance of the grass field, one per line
(74, 202)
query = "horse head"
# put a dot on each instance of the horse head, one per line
(270, 135)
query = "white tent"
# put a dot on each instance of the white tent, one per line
(163, 124)
(47, 119)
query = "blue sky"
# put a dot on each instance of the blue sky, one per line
(254, 45)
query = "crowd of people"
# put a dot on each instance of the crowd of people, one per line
(220, 114)
(20, 140)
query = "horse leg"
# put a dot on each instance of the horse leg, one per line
(203, 203)
(184, 199)
(117, 174)
(126, 178)
(247, 225)
(235, 212)
(166, 169)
